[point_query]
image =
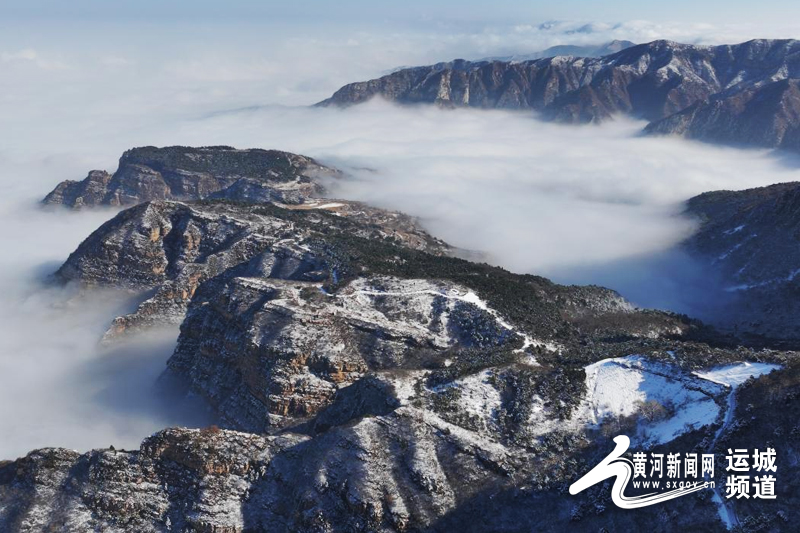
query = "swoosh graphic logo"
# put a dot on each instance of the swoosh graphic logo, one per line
(614, 465)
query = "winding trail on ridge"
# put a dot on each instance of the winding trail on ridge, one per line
(726, 511)
(731, 376)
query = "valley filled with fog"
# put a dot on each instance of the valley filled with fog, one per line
(578, 204)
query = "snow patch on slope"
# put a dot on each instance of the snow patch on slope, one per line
(478, 397)
(734, 375)
(618, 387)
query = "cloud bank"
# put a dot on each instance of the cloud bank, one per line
(590, 204)
(57, 386)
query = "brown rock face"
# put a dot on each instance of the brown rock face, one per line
(284, 358)
(91, 191)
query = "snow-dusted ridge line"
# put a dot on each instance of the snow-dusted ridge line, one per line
(471, 298)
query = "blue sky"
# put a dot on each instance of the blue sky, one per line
(408, 11)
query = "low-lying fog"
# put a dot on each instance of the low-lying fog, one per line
(591, 204)
(58, 387)
(594, 204)
(579, 204)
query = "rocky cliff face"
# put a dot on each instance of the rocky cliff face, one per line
(184, 173)
(180, 480)
(751, 239)
(286, 357)
(170, 248)
(493, 449)
(745, 93)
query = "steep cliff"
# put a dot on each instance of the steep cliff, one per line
(184, 173)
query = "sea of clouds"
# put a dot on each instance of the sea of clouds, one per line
(580, 204)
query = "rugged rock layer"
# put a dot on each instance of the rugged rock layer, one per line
(267, 352)
(752, 239)
(169, 248)
(183, 173)
(744, 93)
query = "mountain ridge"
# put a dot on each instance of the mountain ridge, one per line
(738, 226)
(598, 50)
(656, 81)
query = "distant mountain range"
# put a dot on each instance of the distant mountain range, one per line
(597, 50)
(743, 94)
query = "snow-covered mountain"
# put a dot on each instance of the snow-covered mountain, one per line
(744, 93)
(598, 50)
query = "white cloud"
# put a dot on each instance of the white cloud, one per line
(31, 56)
(26, 54)
(570, 202)
(116, 61)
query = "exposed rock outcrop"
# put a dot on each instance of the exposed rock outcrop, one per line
(180, 480)
(266, 352)
(91, 191)
(184, 173)
(170, 248)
